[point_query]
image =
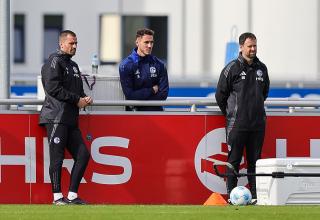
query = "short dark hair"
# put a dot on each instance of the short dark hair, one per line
(245, 36)
(65, 33)
(144, 31)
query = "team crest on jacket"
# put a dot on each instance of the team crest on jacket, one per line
(153, 70)
(259, 75)
(75, 69)
(56, 140)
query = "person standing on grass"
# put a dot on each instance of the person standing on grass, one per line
(242, 88)
(64, 96)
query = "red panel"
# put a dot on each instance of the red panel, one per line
(13, 130)
(155, 159)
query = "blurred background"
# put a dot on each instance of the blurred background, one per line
(195, 38)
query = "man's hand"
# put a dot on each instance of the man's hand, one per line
(88, 99)
(155, 89)
(85, 101)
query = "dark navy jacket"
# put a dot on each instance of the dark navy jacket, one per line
(139, 74)
(241, 92)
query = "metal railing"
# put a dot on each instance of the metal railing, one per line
(192, 102)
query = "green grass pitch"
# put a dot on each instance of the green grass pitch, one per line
(155, 212)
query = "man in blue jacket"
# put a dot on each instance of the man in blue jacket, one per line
(142, 75)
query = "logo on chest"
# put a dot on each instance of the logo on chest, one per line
(137, 74)
(153, 71)
(259, 76)
(75, 71)
(243, 75)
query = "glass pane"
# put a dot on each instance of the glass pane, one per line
(53, 25)
(110, 37)
(159, 24)
(130, 26)
(19, 41)
(51, 39)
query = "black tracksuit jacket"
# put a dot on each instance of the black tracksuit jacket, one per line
(62, 83)
(241, 92)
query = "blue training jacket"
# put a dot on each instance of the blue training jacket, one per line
(139, 74)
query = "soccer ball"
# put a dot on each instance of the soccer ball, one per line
(240, 195)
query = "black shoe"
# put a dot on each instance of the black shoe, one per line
(253, 202)
(61, 201)
(77, 201)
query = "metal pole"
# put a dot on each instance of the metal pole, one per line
(250, 15)
(183, 39)
(4, 50)
(318, 36)
(207, 38)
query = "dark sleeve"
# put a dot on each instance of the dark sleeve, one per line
(162, 94)
(223, 90)
(82, 93)
(266, 89)
(126, 72)
(52, 78)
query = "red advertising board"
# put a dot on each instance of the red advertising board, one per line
(139, 159)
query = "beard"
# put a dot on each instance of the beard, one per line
(252, 55)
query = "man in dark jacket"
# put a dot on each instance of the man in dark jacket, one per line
(241, 91)
(142, 75)
(62, 83)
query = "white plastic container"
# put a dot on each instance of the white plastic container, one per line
(288, 190)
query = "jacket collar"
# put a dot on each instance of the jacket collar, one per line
(138, 58)
(244, 61)
(62, 54)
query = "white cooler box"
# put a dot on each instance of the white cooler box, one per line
(288, 190)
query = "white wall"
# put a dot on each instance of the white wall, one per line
(226, 14)
(172, 9)
(287, 32)
(288, 37)
(79, 16)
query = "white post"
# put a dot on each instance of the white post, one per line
(4, 50)
(193, 108)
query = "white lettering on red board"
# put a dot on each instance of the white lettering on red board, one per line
(28, 160)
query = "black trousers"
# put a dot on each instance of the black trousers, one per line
(252, 141)
(63, 137)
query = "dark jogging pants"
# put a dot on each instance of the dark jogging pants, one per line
(63, 137)
(252, 141)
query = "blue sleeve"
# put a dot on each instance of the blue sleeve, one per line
(162, 94)
(126, 72)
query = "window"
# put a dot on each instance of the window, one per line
(117, 36)
(110, 39)
(159, 24)
(53, 25)
(19, 38)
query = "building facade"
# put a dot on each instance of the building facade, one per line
(191, 35)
